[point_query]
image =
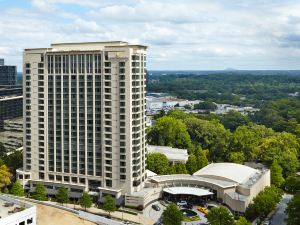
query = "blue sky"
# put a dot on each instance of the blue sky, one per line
(181, 34)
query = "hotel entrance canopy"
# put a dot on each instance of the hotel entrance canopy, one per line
(187, 191)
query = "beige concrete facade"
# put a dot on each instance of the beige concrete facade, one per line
(225, 187)
(84, 117)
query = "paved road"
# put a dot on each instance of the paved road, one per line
(278, 217)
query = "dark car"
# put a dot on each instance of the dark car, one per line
(189, 206)
(156, 207)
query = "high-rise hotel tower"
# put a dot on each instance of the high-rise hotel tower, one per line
(84, 117)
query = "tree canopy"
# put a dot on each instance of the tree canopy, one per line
(109, 204)
(172, 215)
(85, 201)
(4, 176)
(17, 189)
(157, 163)
(40, 192)
(220, 216)
(62, 195)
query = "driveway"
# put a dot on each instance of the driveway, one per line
(153, 214)
(278, 217)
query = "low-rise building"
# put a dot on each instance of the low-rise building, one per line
(174, 155)
(15, 212)
(232, 184)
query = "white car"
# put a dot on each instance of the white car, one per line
(182, 203)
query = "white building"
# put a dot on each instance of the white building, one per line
(174, 155)
(234, 184)
(84, 117)
(14, 212)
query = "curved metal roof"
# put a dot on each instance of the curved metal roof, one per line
(227, 171)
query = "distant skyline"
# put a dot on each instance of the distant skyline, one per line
(181, 35)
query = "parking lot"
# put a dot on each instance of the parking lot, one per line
(156, 215)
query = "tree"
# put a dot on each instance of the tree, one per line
(40, 192)
(242, 221)
(201, 157)
(85, 201)
(264, 202)
(172, 215)
(6, 191)
(220, 216)
(62, 195)
(109, 204)
(237, 157)
(157, 163)
(180, 168)
(4, 176)
(292, 184)
(206, 105)
(292, 211)
(169, 131)
(210, 135)
(234, 119)
(246, 138)
(17, 189)
(282, 147)
(276, 174)
(191, 164)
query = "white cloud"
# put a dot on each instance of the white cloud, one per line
(190, 34)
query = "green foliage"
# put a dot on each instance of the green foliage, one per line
(62, 195)
(210, 135)
(168, 131)
(234, 119)
(201, 156)
(246, 138)
(85, 201)
(14, 160)
(220, 216)
(40, 192)
(157, 163)
(206, 105)
(282, 147)
(276, 174)
(4, 176)
(292, 184)
(191, 164)
(5, 190)
(293, 211)
(264, 202)
(17, 189)
(237, 157)
(109, 204)
(180, 168)
(172, 215)
(242, 221)
(227, 87)
(281, 115)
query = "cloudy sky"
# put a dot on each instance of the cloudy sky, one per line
(181, 34)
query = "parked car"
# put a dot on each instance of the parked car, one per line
(155, 207)
(182, 203)
(267, 222)
(189, 206)
(203, 210)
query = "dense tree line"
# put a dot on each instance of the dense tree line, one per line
(250, 142)
(237, 89)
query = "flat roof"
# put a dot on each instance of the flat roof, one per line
(173, 154)
(187, 191)
(9, 206)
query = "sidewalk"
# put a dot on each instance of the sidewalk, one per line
(139, 219)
